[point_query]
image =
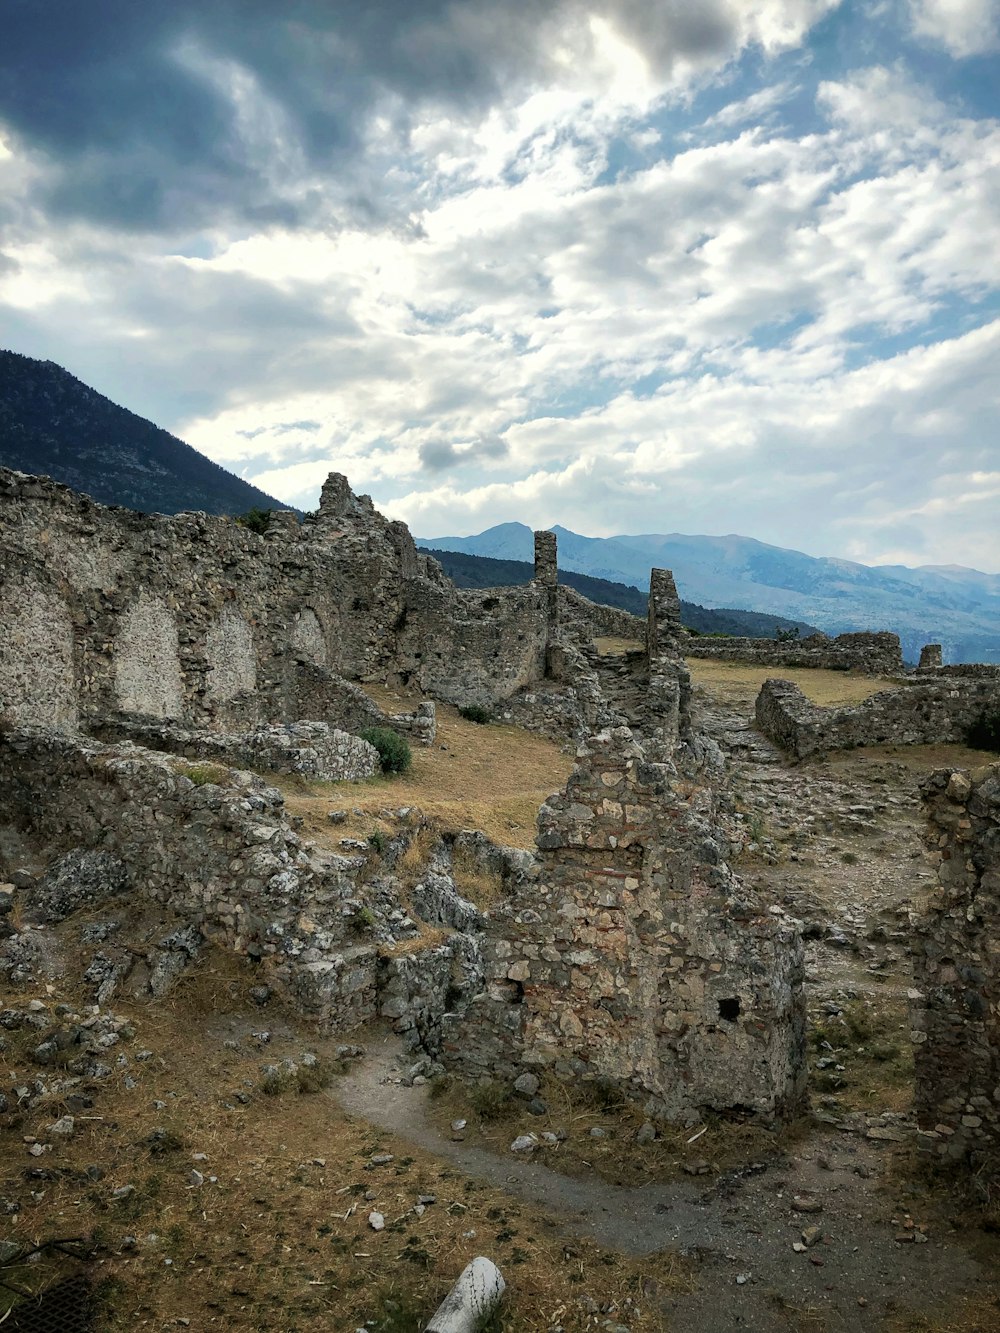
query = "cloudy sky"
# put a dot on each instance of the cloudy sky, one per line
(624, 265)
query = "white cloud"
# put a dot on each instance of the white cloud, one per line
(962, 27)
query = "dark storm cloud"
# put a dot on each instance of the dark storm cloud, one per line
(127, 103)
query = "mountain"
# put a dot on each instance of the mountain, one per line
(480, 571)
(947, 604)
(53, 425)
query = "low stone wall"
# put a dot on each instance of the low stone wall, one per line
(956, 962)
(637, 956)
(869, 654)
(319, 693)
(925, 712)
(223, 858)
(314, 749)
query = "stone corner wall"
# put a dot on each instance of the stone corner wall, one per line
(929, 709)
(956, 1001)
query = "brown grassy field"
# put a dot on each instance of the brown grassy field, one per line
(491, 777)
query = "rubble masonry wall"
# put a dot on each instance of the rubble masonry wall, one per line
(956, 1012)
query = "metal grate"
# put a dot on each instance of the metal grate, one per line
(65, 1307)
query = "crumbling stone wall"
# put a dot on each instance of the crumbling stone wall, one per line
(923, 712)
(198, 619)
(637, 956)
(313, 749)
(956, 1009)
(600, 621)
(868, 654)
(930, 657)
(222, 857)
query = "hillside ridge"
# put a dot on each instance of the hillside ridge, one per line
(52, 424)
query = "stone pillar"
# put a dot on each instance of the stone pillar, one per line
(546, 568)
(930, 657)
(547, 574)
(663, 627)
(669, 678)
(335, 497)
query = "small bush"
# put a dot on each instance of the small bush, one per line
(984, 734)
(475, 713)
(393, 750)
(378, 842)
(491, 1101)
(255, 520)
(203, 774)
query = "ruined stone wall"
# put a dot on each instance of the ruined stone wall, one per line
(869, 654)
(956, 957)
(924, 712)
(601, 621)
(637, 956)
(222, 857)
(196, 619)
(313, 749)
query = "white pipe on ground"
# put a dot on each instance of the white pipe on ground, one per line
(471, 1300)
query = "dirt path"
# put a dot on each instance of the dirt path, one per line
(739, 1228)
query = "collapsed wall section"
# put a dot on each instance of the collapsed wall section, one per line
(637, 956)
(222, 857)
(956, 1009)
(202, 621)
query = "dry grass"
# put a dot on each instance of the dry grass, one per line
(978, 1314)
(280, 1239)
(608, 646)
(492, 778)
(496, 1117)
(737, 682)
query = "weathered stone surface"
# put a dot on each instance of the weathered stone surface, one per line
(637, 956)
(314, 749)
(924, 711)
(956, 965)
(865, 653)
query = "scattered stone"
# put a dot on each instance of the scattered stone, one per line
(525, 1143)
(376, 1221)
(802, 1204)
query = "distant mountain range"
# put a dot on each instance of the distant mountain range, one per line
(947, 604)
(480, 571)
(53, 425)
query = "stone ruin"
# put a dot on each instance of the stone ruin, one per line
(956, 1001)
(626, 949)
(634, 954)
(931, 708)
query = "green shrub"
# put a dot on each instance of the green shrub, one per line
(393, 749)
(378, 842)
(984, 734)
(475, 713)
(256, 520)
